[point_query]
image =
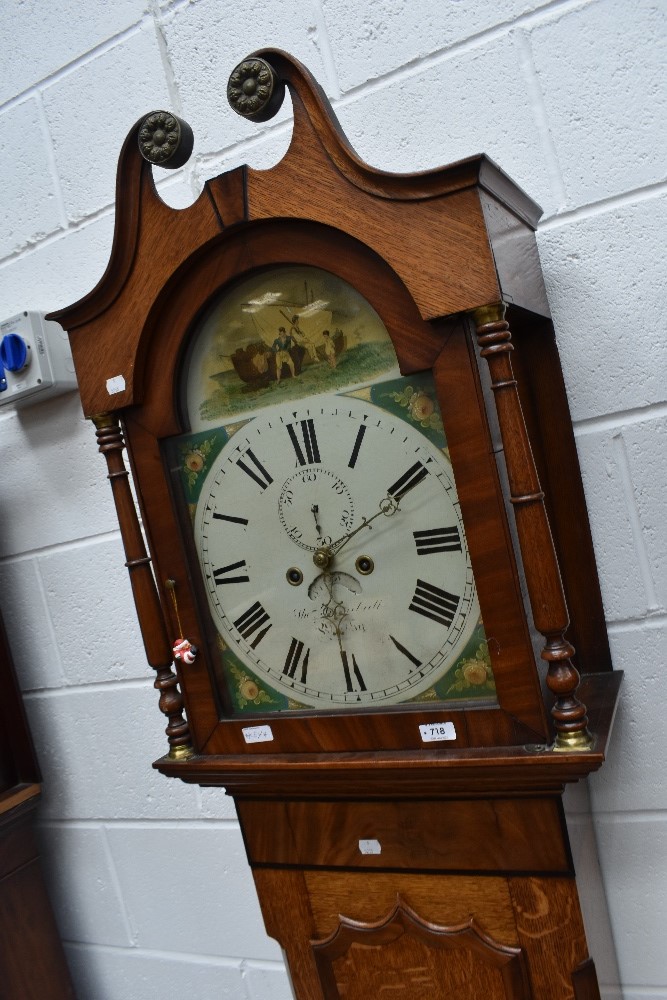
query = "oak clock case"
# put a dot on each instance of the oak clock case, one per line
(341, 399)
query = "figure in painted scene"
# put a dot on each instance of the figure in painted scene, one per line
(299, 337)
(329, 349)
(281, 347)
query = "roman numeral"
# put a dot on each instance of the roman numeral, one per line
(252, 620)
(434, 603)
(293, 659)
(349, 681)
(229, 517)
(437, 540)
(308, 439)
(220, 575)
(406, 652)
(408, 480)
(357, 445)
(258, 473)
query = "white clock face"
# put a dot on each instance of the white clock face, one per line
(333, 554)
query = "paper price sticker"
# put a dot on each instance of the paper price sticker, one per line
(370, 847)
(257, 734)
(434, 732)
(115, 384)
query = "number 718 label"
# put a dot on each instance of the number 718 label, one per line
(434, 732)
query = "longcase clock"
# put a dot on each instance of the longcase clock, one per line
(341, 398)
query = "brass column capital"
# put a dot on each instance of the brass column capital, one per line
(494, 313)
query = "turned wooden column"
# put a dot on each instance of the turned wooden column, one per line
(543, 581)
(149, 612)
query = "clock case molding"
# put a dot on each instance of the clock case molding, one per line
(448, 259)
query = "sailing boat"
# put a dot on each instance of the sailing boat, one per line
(290, 336)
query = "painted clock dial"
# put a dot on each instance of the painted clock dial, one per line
(333, 554)
(326, 524)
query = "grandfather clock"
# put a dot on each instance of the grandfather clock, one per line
(342, 403)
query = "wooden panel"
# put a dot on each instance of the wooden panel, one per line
(585, 982)
(283, 897)
(32, 962)
(151, 241)
(444, 900)
(482, 506)
(412, 958)
(545, 407)
(536, 918)
(502, 835)
(450, 229)
(516, 256)
(18, 763)
(412, 775)
(31, 957)
(551, 930)
(16, 832)
(410, 970)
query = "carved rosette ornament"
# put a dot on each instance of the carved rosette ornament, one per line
(254, 91)
(165, 140)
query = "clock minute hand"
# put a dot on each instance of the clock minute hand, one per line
(323, 555)
(388, 506)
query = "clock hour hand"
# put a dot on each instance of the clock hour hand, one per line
(315, 511)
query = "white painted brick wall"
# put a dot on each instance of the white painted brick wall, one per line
(569, 98)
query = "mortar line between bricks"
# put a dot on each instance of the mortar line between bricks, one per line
(193, 958)
(174, 6)
(172, 88)
(131, 927)
(631, 815)
(86, 57)
(163, 48)
(422, 63)
(527, 63)
(622, 418)
(118, 684)
(322, 42)
(624, 625)
(647, 192)
(72, 227)
(51, 158)
(69, 545)
(623, 465)
(48, 618)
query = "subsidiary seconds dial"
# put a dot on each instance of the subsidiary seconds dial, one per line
(334, 557)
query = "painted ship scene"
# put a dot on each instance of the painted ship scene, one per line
(280, 335)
